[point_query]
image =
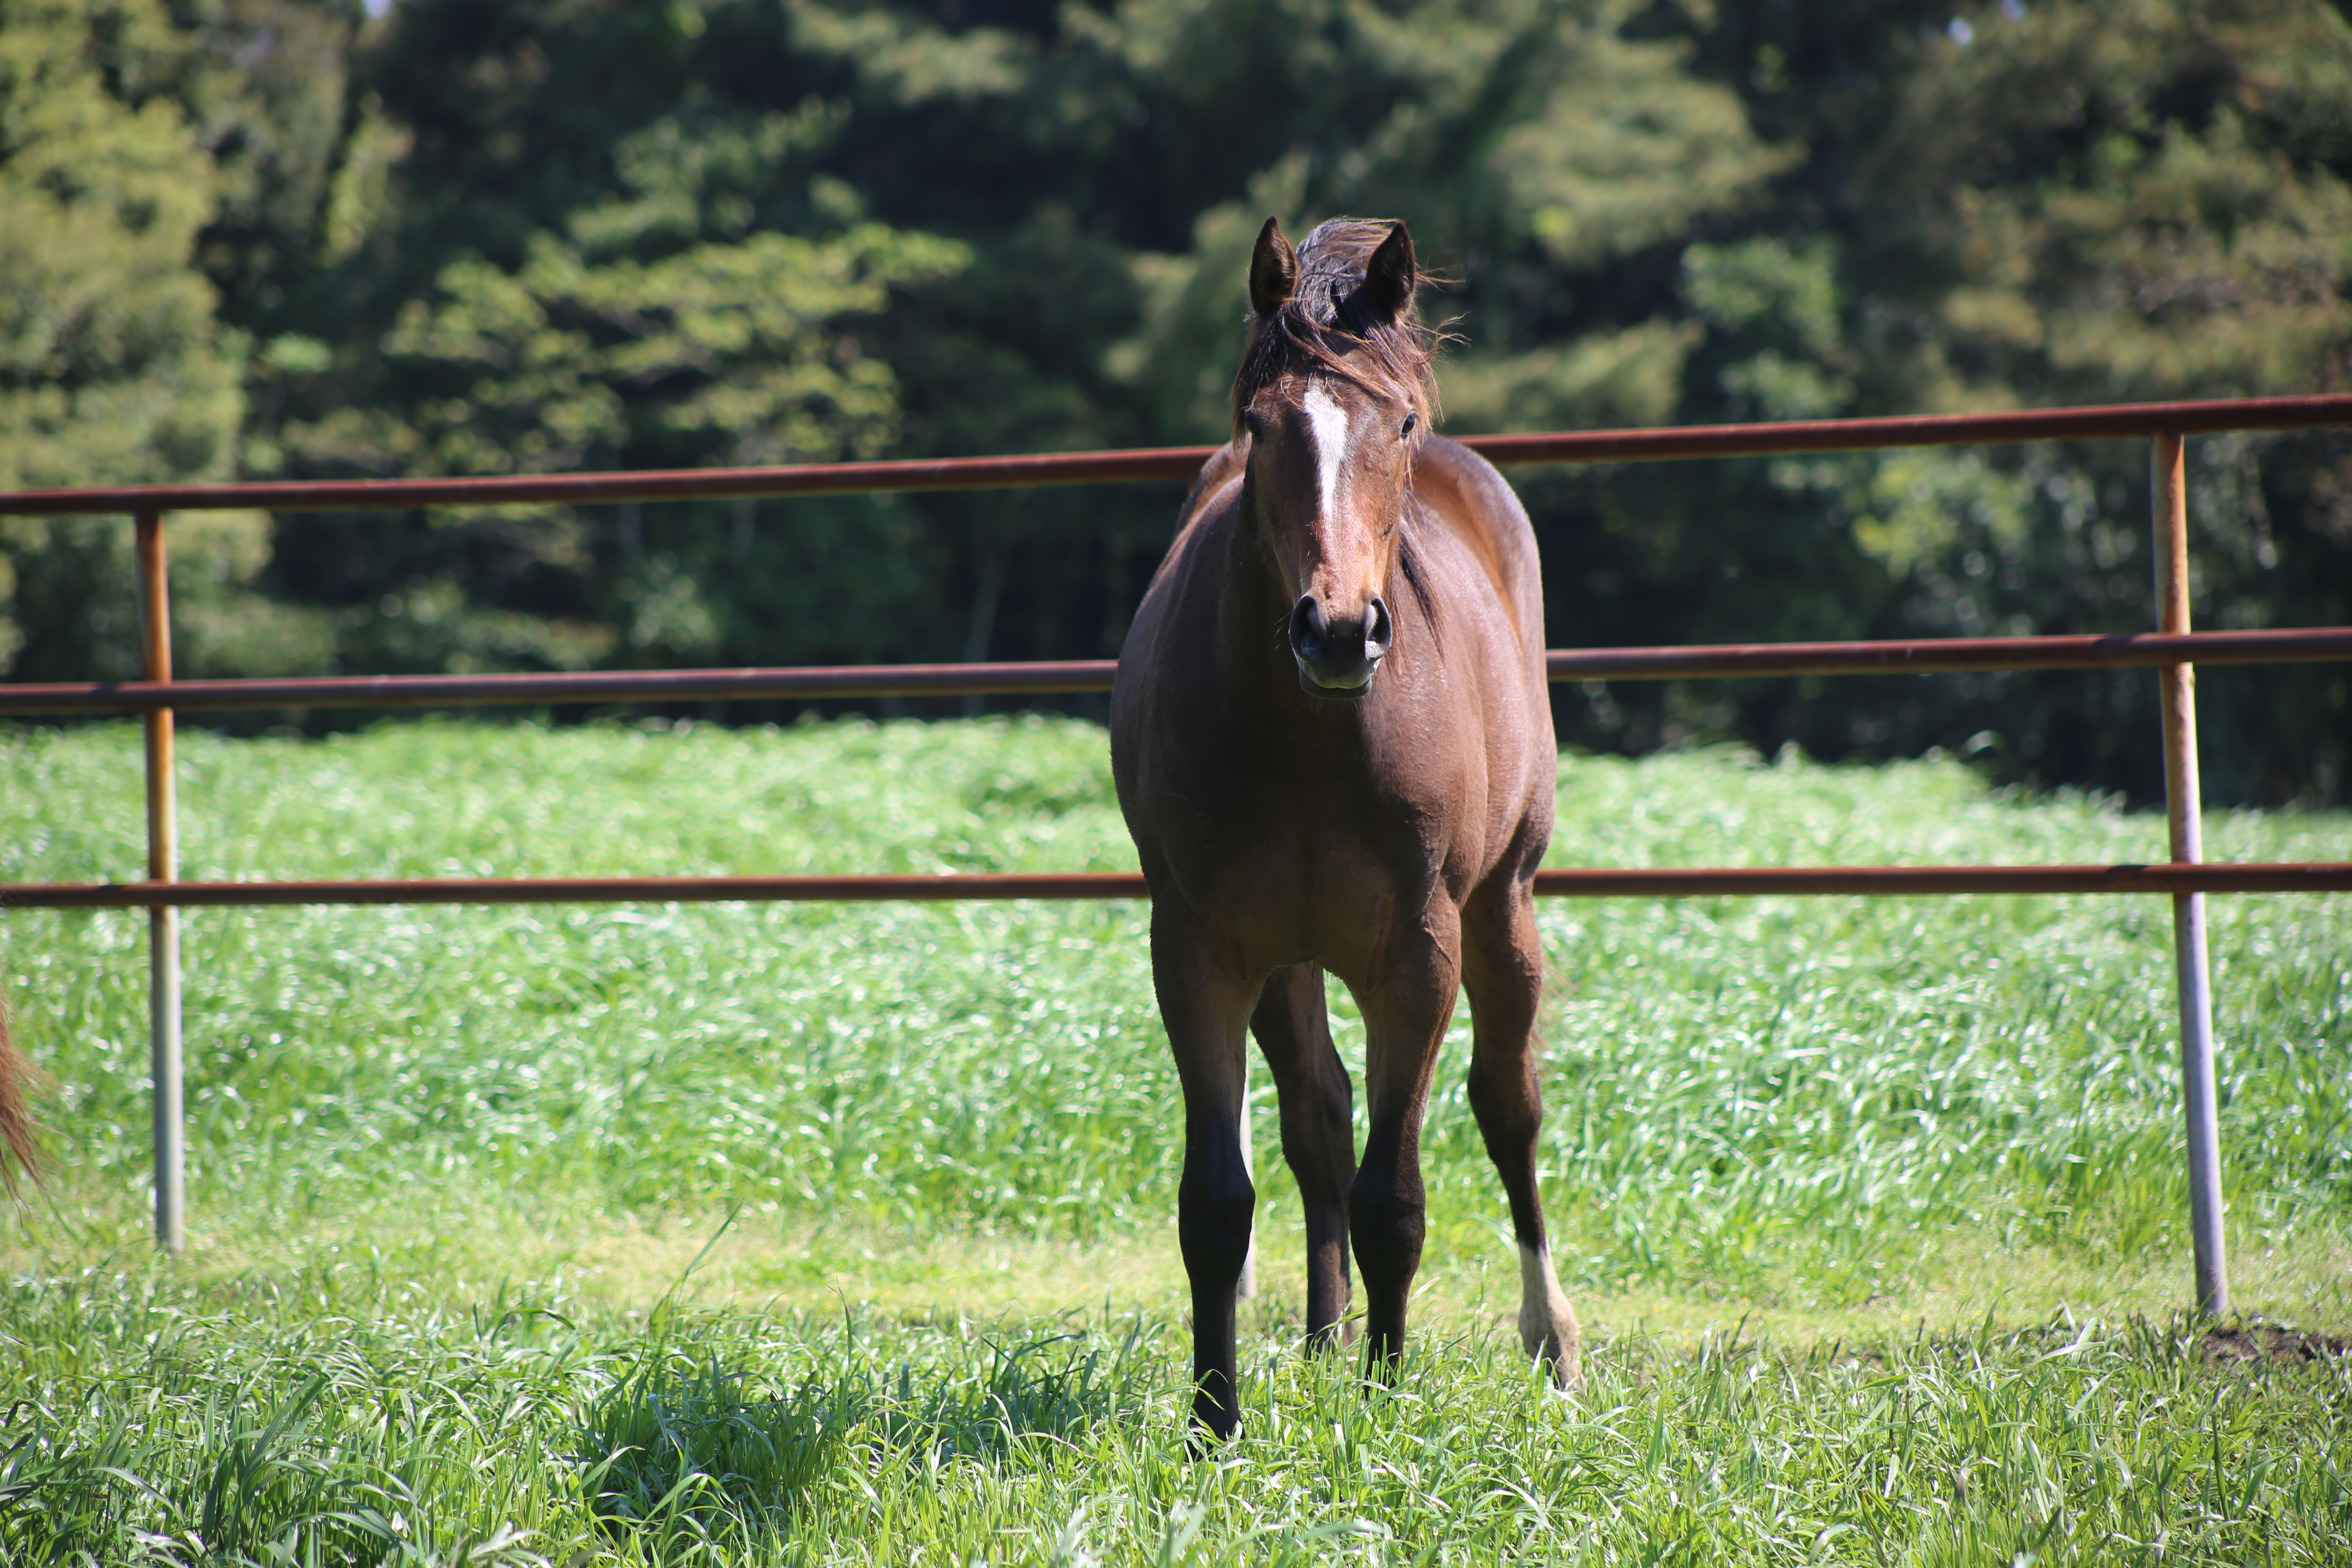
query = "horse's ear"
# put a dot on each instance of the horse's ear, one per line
(1273, 271)
(1390, 276)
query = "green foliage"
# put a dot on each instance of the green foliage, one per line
(2146, 204)
(1610, 379)
(472, 238)
(683, 1455)
(113, 368)
(660, 332)
(264, 1438)
(1781, 306)
(682, 1447)
(1714, 1067)
(437, 1432)
(1618, 147)
(2028, 206)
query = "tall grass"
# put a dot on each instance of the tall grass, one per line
(1804, 1109)
(1735, 1088)
(346, 1420)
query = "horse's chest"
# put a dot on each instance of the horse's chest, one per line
(1299, 840)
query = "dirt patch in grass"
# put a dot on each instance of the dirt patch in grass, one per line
(2268, 1343)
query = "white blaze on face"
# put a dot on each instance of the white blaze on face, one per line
(1329, 423)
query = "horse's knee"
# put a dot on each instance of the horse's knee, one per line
(1214, 1217)
(1500, 1096)
(1386, 1229)
(1317, 1141)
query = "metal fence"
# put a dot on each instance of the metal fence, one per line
(2173, 650)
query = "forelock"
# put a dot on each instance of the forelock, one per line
(1326, 327)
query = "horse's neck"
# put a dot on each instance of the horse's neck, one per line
(1251, 609)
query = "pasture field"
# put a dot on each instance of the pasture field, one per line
(834, 1234)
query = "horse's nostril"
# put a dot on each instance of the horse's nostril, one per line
(1380, 630)
(1308, 628)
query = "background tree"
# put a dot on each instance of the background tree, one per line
(506, 235)
(114, 365)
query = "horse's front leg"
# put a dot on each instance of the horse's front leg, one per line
(1407, 1005)
(1205, 996)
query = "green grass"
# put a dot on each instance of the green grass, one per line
(448, 1168)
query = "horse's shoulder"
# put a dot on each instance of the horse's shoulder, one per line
(1463, 494)
(1468, 492)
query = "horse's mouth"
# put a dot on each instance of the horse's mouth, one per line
(1314, 687)
(1339, 660)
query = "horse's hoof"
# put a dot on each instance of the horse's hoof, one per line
(1547, 1327)
(1211, 1423)
(1202, 1442)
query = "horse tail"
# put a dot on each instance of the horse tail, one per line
(19, 1078)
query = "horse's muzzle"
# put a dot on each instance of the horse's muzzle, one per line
(1336, 659)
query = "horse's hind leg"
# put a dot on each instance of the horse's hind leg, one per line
(1205, 1000)
(1294, 1033)
(1502, 964)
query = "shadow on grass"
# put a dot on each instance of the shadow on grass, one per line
(288, 1483)
(691, 1452)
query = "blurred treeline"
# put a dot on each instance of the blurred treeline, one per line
(313, 237)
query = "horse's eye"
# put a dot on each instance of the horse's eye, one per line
(1410, 421)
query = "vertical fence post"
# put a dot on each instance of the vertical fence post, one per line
(2169, 488)
(163, 865)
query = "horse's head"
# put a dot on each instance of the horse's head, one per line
(1333, 396)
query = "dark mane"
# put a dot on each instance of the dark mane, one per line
(1327, 326)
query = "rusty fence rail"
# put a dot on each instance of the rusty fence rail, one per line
(1180, 463)
(2143, 650)
(904, 887)
(2173, 650)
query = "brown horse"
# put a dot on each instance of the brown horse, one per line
(1332, 739)
(17, 1077)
